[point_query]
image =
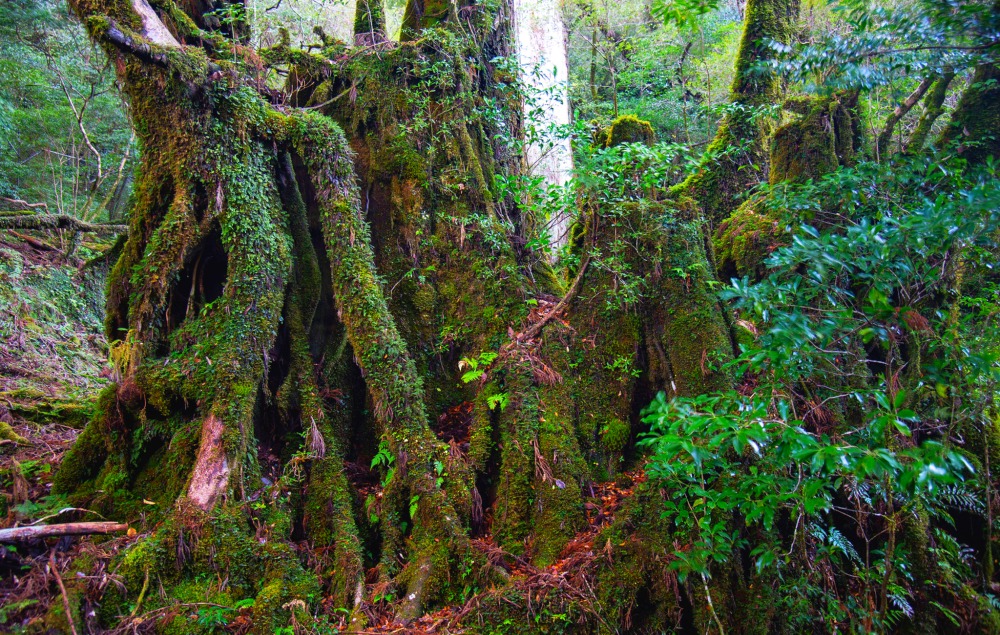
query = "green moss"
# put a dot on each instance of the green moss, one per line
(933, 108)
(83, 461)
(515, 495)
(615, 435)
(559, 463)
(817, 142)
(629, 129)
(976, 119)
(745, 240)
(7, 433)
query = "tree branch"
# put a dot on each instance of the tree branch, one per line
(882, 144)
(535, 328)
(19, 205)
(58, 221)
(17, 534)
(933, 108)
(128, 44)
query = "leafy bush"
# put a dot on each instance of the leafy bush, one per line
(853, 437)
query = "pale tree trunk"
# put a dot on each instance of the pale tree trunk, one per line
(541, 52)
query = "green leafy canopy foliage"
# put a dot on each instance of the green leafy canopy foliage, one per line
(879, 44)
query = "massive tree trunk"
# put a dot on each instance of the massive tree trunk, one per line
(302, 291)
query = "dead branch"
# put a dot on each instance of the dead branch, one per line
(17, 534)
(54, 566)
(21, 206)
(535, 328)
(34, 242)
(58, 221)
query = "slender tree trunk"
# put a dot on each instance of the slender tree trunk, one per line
(932, 110)
(369, 22)
(736, 160)
(884, 137)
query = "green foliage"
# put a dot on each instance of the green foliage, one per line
(844, 424)
(55, 86)
(683, 13)
(386, 459)
(668, 62)
(476, 366)
(718, 454)
(879, 43)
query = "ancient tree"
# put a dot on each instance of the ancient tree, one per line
(323, 277)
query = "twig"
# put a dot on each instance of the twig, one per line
(20, 205)
(16, 534)
(533, 330)
(62, 589)
(142, 595)
(882, 143)
(61, 512)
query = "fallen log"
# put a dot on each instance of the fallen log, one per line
(58, 221)
(16, 534)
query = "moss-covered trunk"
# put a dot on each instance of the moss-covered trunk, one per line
(330, 331)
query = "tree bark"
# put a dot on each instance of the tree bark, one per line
(932, 110)
(19, 534)
(295, 295)
(975, 122)
(884, 137)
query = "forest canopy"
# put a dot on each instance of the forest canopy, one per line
(495, 316)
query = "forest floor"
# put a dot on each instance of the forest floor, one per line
(52, 365)
(53, 362)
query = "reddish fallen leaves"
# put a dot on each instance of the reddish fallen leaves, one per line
(571, 575)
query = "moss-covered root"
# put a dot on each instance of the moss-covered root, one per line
(7, 433)
(206, 189)
(975, 122)
(539, 505)
(735, 160)
(328, 516)
(390, 373)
